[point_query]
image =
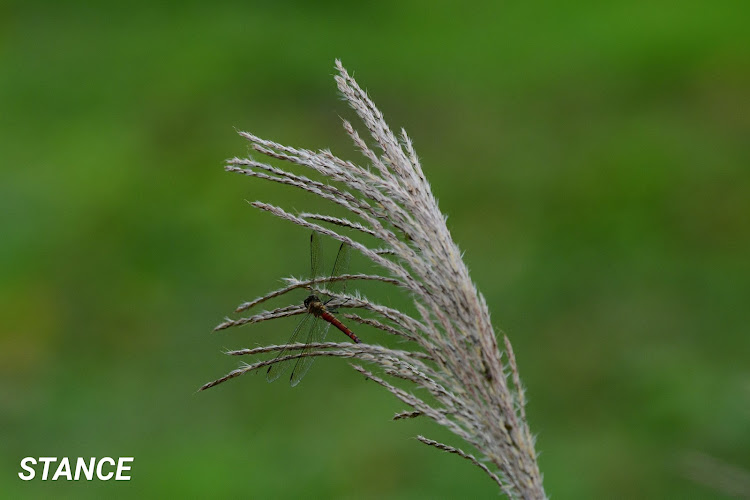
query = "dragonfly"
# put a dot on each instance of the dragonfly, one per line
(318, 319)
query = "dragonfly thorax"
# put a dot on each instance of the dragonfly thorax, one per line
(314, 304)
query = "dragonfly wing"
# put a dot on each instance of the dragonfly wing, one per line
(276, 369)
(314, 255)
(318, 333)
(341, 266)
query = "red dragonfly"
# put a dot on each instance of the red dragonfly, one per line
(316, 311)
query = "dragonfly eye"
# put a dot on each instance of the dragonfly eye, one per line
(310, 299)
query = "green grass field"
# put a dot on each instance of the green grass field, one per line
(593, 162)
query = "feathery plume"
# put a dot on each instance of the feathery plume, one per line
(450, 347)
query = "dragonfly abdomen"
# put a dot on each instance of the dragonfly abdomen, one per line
(338, 324)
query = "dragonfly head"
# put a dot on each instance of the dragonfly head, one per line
(310, 300)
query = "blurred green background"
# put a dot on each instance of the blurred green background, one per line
(593, 160)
